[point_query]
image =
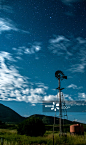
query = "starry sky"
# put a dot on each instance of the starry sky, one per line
(37, 38)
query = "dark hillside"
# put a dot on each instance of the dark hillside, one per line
(49, 120)
(8, 115)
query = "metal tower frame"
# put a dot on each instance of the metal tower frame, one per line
(60, 75)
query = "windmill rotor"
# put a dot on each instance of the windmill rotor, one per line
(60, 74)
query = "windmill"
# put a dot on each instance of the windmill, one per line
(60, 76)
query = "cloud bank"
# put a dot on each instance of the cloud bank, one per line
(14, 86)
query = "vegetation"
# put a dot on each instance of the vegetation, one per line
(48, 120)
(10, 137)
(32, 127)
(13, 134)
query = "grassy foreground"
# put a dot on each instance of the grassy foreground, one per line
(10, 137)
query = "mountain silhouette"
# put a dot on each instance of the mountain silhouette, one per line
(8, 115)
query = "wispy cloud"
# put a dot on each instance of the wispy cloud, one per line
(13, 86)
(56, 97)
(82, 96)
(80, 46)
(34, 48)
(42, 85)
(6, 25)
(78, 68)
(72, 49)
(28, 50)
(6, 8)
(50, 98)
(73, 86)
(59, 46)
(9, 25)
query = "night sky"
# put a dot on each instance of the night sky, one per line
(37, 38)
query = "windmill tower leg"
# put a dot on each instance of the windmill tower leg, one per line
(60, 111)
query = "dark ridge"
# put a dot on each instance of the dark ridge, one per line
(49, 120)
(8, 115)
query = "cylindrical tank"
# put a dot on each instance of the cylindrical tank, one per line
(82, 130)
(76, 129)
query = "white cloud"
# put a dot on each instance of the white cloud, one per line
(6, 25)
(42, 85)
(14, 86)
(81, 57)
(50, 98)
(56, 97)
(78, 68)
(82, 96)
(33, 49)
(33, 104)
(60, 46)
(81, 40)
(67, 97)
(58, 39)
(37, 48)
(30, 50)
(74, 86)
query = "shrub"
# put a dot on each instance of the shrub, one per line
(32, 127)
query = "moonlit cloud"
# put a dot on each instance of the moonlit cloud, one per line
(6, 25)
(68, 97)
(56, 97)
(81, 57)
(73, 86)
(50, 98)
(28, 50)
(60, 46)
(58, 39)
(9, 25)
(72, 49)
(14, 87)
(81, 40)
(6, 8)
(82, 96)
(33, 48)
(42, 85)
(78, 68)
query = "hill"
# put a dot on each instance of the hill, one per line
(49, 120)
(8, 115)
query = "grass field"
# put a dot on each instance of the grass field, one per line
(10, 137)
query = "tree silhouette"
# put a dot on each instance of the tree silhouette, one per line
(32, 127)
